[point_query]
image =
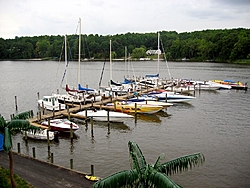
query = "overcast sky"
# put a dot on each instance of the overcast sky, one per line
(109, 17)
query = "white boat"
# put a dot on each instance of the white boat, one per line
(171, 97)
(51, 103)
(153, 102)
(207, 85)
(102, 115)
(61, 125)
(40, 135)
(162, 96)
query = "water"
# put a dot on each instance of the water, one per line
(215, 123)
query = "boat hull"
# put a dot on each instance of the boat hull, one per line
(137, 108)
(61, 125)
(41, 135)
(102, 115)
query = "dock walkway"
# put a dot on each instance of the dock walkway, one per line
(76, 108)
(41, 174)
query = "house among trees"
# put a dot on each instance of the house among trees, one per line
(153, 52)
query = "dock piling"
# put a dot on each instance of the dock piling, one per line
(16, 103)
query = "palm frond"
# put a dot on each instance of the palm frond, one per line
(136, 155)
(181, 163)
(126, 178)
(7, 140)
(24, 115)
(2, 123)
(18, 125)
(159, 180)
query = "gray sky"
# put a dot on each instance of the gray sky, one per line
(109, 17)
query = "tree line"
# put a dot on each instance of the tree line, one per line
(206, 45)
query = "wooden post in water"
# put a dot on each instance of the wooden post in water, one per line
(166, 100)
(40, 116)
(38, 95)
(71, 163)
(111, 94)
(86, 116)
(18, 148)
(92, 127)
(92, 170)
(71, 131)
(25, 136)
(108, 122)
(135, 108)
(16, 103)
(52, 158)
(48, 141)
(114, 106)
(53, 113)
(68, 112)
(34, 152)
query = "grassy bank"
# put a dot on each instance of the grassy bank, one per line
(6, 183)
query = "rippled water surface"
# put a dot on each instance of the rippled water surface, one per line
(215, 123)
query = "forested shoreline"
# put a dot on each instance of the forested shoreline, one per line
(227, 45)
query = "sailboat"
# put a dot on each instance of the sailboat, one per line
(114, 87)
(81, 95)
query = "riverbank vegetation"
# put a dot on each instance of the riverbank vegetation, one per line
(5, 180)
(227, 45)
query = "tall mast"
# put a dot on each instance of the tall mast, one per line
(126, 66)
(158, 54)
(79, 52)
(65, 55)
(110, 59)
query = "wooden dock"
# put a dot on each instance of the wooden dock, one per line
(74, 108)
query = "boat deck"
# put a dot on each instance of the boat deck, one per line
(74, 108)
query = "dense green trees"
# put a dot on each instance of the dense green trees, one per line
(218, 45)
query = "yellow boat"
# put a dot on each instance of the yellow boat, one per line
(92, 178)
(136, 108)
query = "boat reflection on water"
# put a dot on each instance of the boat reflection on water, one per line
(113, 125)
(163, 113)
(153, 118)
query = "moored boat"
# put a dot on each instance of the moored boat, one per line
(136, 108)
(41, 135)
(234, 85)
(103, 115)
(51, 103)
(151, 102)
(170, 97)
(61, 125)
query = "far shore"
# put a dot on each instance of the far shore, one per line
(240, 61)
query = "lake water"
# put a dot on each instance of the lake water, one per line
(215, 123)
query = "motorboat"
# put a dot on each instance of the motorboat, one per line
(61, 125)
(150, 102)
(104, 115)
(162, 96)
(40, 134)
(208, 85)
(127, 107)
(51, 103)
(171, 97)
(234, 85)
